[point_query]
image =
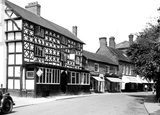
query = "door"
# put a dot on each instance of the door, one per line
(63, 82)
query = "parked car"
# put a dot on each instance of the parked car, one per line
(6, 103)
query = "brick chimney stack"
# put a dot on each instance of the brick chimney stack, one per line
(74, 30)
(34, 7)
(131, 39)
(103, 42)
(112, 43)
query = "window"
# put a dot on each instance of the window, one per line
(39, 31)
(64, 40)
(126, 70)
(96, 67)
(74, 78)
(49, 76)
(78, 46)
(30, 74)
(77, 60)
(39, 51)
(107, 69)
(85, 79)
(123, 69)
(115, 70)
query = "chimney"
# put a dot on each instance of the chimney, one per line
(103, 42)
(74, 30)
(112, 43)
(34, 7)
(131, 39)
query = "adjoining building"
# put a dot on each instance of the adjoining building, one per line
(125, 65)
(40, 58)
(103, 72)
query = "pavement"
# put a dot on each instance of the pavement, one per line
(150, 102)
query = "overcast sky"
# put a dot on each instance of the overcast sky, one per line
(98, 18)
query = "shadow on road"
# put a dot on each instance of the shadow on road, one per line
(147, 98)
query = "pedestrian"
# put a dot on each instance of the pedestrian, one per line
(153, 89)
(145, 87)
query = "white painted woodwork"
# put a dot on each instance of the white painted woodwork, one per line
(23, 79)
(11, 47)
(10, 25)
(11, 36)
(18, 58)
(10, 71)
(18, 36)
(2, 45)
(29, 84)
(17, 84)
(17, 71)
(11, 59)
(19, 47)
(10, 83)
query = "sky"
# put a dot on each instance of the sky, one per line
(98, 18)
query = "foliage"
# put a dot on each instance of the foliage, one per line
(145, 52)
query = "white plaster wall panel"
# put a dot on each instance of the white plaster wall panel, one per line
(11, 59)
(10, 36)
(17, 71)
(17, 84)
(19, 47)
(18, 58)
(11, 47)
(10, 71)
(18, 36)
(10, 83)
(29, 84)
(13, 16)
(10, 25)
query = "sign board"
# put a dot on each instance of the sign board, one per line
(39, 72)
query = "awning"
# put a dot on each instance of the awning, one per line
(112, 79)
(98, 78)
(130, 79)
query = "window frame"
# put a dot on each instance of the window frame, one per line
(107, 71)
(96, 64)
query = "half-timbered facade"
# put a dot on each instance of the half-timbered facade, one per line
(43, 58)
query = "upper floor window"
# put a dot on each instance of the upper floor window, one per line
(64, 40)
(78, 46)
(39, 31)
(107, 69)
(39, 51)
(123, 69)
(96, 67)
(115, 70)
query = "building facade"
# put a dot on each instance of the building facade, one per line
(40, 57)
(103, 72)
(125, 65)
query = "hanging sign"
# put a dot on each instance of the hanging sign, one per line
(39, 72)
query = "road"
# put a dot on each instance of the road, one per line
(102, 104)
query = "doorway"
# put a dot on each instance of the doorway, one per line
(63, 82)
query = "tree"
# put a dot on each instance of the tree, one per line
(145, 54)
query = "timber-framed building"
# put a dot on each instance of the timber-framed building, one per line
(41, 57)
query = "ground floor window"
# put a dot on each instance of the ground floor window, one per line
(78, 78)
(49, 76)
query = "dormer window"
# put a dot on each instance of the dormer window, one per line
(39, 31)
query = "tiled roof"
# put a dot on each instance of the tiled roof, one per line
(27, 15)
(124, 44)
(120, 54)
(98, 57)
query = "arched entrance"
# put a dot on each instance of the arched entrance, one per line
(63, 82)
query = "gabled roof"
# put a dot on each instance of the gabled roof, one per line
(27, 15)
(124, 44)
(98, 58)
(120, 54)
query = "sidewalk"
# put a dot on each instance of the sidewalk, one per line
(151, 104)
(26, 101)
